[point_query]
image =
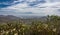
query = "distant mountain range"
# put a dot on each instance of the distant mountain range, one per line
(4, 18)
(8, 18)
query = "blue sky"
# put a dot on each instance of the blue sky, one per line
(30, 7)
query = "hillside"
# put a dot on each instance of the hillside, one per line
(8, 18)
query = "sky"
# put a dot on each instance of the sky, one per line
(30, 7)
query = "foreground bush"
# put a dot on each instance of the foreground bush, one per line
(24, 29)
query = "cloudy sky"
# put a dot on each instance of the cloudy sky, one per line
(30, 7)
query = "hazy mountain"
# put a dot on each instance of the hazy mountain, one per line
(4, 18)
(8, 18)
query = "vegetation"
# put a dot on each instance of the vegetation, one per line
(50, 27)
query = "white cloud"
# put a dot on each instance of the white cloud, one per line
(24, 7)
(30, 0)
(18, 6)
(49, 1)
(55, 4)
(36, 11)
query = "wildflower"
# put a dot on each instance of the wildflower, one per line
(16, 34)
(54, 29)
(14, 29)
